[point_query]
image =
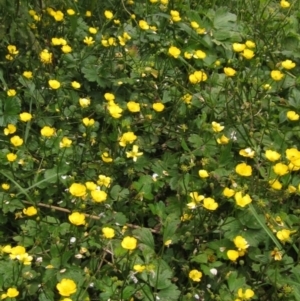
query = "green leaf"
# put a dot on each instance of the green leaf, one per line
(145, 236)
(201, 258)
(223, 18)
(234, 283)
(171, 293)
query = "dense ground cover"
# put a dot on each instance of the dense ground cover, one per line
(150, 150)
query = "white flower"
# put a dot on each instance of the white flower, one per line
(39, 259)
(214, 271)
(72, 240)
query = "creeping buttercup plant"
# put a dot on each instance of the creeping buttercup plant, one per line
(149, 150)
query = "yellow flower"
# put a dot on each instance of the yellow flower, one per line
(25, 117)
(133, 106)
(10, 293)
(237, 47)
(108, 14)
(174, 51)
(223, 140)
(104, 181)
(16, 141)
(109, 97)
(272, 155)
(199, 54)
(90, 185)
(70, 12)
(241, 200)
(75, 85)
(11, 157)
(47, 131)
(127, 138)
(54, 84)
(277, 75)
(139, 268)
(247, 152)
(275, 184)
(284, 235)
(129, 243)
(248, 294)
(240, 243)
(88, 122)
(243, 170)
(93, 30)
(229, 71)
(99, 196)
(88, 13)
(292, 189)
(108, 232)
(16, 251)
(267, 87)
(58, 16)
(175, 16)
(30, 211)
(134, 153)
(248, 54)
(158, 107)
(12, 49)
(89, 41)
(210, 204)
(288, 64)
(195, 275)
(276, 254)
(66, 49)
(5, 186)
(188, 55)
(292, 115)
(77, 219)
(281, 169)
(66, 287)
(10, 129)
(9, 57)
(84, 102)
(77, 189)
(228, 192)
(65, 142)
(250, 44)
(284, 4)
(233, 255)
(217, 127)
(143, 25)
(203, 173)
(27, 74)
(187, 98)
(11, 92)
(201, 30)
(46, 57)
(106, 158)
(114, 110)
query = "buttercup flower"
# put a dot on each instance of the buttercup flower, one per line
(292, 115)
(248, 54)
(10, 129)
(5, 186)
(281, 169)
(272, 155)
(247, 152)
(276, 254)
(46, 57)
(288, 64)
(30, 211)
(129, 243)
(65, 142)
(229, 71)
(277, 75)
(243, 170)
(77, 189)
(158, 107)
(11, 157)
(108, 14)
(228, 192)
(16, 141)
(90, 185)
(77, 219)
(84, 102)
(54, 84)
(174, 51)
(93, 30)
(139, 268)
(66, 287)
(108, 232)
(210, 204)
(10, 293)
(109, 97)
(127, 138)
(88, 122)
(89, 41)
(99, 196)
(25, 117)
(175, 17)
(250, 44)
(114, 110)
(134, 153)
(12, 49)
(66, 49)
(143, 25)
(237, 47)
(275, 184)
(104, 181)
(195, 275)
(233, 255)
(203, 173)
(223, 140)
(70, 12)
(27, 74)
(11, 92)
(241, 243)
(47, 131)
(199, 54)
(248, 294)
(285, 4)
(241, 200)
(106, 158)
(217, 127)
(133, 106)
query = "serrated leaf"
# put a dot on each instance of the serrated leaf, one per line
(170, 293)
(145, 236)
